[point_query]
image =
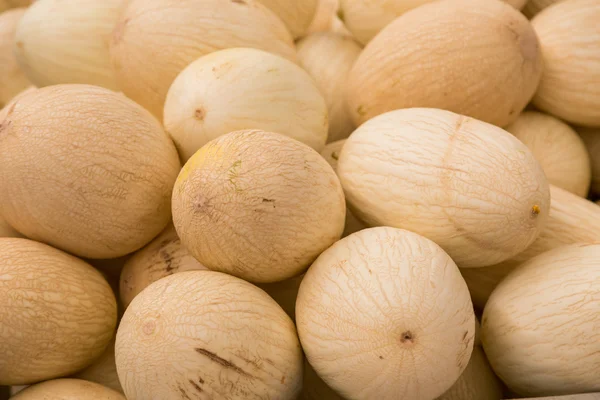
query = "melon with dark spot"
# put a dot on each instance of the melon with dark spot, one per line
(68, 389)
(164, 256)
(58, 313)
(85, 169)
(218, 337)
(477, 58)
(376, 300)
(222, 218)
(469, 186)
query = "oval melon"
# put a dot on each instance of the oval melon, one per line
(58, 313)
(472, 57)
(328, 58)
(236, 89)
(66, 41)
(85, 169)
(376, 300)
(558, 148)
(540, 326)
(469, 186)
(145, 74)
(68, 389)
(569, 35)
(244, 198)
(204, 334)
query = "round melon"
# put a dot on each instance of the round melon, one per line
(328, 58)
(540, 326)
(244, 198)
(58, 313)
(569, 35)
(66, 41)
(236, 89)
(104, 370)
(85, 169)
(164, 256)
(477, 58)
(145, 74)
(68, 389)
(376, 300)
(558, 148)
(297, 14)
(12, 79)
(591, 138)
(571, 220)
(204, 334)
(469, 186)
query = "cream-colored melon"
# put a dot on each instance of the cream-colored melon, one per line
(366, 18)
(541, 327)
(66, 41)
(477, 382)
(572, 220)
(58, 313)
(472, 57)
(331, 153)
(591, 138)
(328, 58)
(236, 89)
(204, 334)
(103, 371)
(376, 300)
(469, 186)
(533, 7)
(297, 14)
(68, 389)
(243, 199)
(164, 256)
(12, 79)
(85, 169)
(558, 148)
(156, 39)
(569, 36)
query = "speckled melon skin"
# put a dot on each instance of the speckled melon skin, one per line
(68, 389)
(205, 334)
(58, 313)
(469, 186)
(147, 54)
(541, 325)
(85, 169)
(477, 58)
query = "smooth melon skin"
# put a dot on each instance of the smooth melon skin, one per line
(66, 41)
(331, 153)
(559, 150)
(162, 257)
(572, 220)
(236, 89)
(297, 14)
(328, 58)
(147, 56)
(569, 36)
(244, 198)
(68, 389)
(591, 138)
(378, 299)
(541, 327)
(469, 186)
(85, 169)
(58, 313)
(104, 370)
(12, 79)
(204, 334)
(477, 58)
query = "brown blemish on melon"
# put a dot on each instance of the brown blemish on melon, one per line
(535, 210)
(199, 114)
(407, 336)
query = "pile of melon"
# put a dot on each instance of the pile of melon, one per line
(299, 199)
